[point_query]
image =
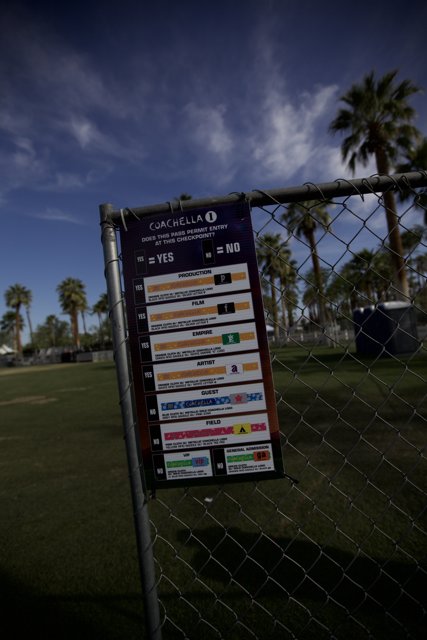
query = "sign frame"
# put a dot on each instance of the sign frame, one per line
(191, 283)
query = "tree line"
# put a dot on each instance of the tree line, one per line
(55, 332)
(376, 121)
(323, 295)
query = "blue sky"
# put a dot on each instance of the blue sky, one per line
(135, 102)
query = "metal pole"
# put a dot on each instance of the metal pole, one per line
(139, 501)
(308, 191)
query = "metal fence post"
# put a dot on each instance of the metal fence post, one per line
(139, 501)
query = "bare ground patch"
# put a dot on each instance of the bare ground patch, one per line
(28, 400)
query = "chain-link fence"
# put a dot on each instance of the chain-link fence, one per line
(338, 550)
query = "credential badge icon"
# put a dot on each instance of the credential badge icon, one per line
(211, 216)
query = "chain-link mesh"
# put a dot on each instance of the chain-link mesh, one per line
(341, 551)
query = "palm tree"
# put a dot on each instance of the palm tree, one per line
(363, 276)
(83, 310)
(268, 249)
(378, 120)
(341, 294)
(10, 325)
(52, 333)
(420, 270)
(415, 160)
(17, 296)
(310, 297)
(303, 219)
(367, 274)
(411, 239)
(288, 285)
(72, 298)
(51, 324)
(27, 313)
(101, 307)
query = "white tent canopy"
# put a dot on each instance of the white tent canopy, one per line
(5, 350)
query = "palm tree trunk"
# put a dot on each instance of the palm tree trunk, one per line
(101, 334)
(318, 279)
(283, 303)
(75, 329)
(395, 240)
(30, 325)
(290, 315)
(274, 310)
(18, 331)
(84, 321)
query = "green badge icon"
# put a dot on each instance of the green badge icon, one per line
(230, 338)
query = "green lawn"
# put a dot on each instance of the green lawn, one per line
(342, 552)
(68, 561)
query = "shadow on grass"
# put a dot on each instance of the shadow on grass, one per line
(324, 579)
(25, 613)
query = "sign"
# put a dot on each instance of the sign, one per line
(200, 361)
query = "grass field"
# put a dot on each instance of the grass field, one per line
(68, 562)
(342, 553)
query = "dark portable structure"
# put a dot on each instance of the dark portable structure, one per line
(388, 328)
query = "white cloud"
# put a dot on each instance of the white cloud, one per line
(64, 92)
(98, 145)
(10, 122)
(24, 156)
(26, 163)
(20, 164)
(212, 139)
(84, 131)
(56, 215)
(208, 129)
(65, 181)
(319, 104)
(52, 71)
(330, 160)
(286, 140)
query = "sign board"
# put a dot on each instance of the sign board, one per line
(200, 360)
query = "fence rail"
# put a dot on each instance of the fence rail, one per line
(341, 551)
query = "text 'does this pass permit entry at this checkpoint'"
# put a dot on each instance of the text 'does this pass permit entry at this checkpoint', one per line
(199, 352)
